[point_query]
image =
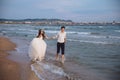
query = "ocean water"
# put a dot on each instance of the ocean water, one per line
(92, 52)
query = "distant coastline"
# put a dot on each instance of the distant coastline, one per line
(54, 22)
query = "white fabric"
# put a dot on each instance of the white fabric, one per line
(61, 37)
(37, 49)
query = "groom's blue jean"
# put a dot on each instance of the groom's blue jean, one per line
(60, 46)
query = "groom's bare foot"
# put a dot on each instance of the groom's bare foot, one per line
(57, 57)
(63, 60)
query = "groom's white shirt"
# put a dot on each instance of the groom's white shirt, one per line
(61, 37)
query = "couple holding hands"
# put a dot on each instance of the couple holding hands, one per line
(37, 48)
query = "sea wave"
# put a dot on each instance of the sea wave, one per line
(46, 71)
(49, 71)
(68, 32)
(114, 37)
(117, 30)
(94, 36)
(86, 41)
(82, 33)
(50, 31)
(100, 26)
(103, 37)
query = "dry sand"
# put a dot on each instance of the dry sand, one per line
(12, 70)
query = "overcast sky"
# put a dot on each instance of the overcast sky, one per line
(75, 10)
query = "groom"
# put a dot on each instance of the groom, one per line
(61, 36)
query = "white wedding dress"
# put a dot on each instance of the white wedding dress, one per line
(37, 49)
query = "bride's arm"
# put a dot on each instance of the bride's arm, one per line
(54, 37)
(46, 37)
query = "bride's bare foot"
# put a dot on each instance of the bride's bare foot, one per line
(33, 61)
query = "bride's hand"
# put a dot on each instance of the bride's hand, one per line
(51, 38)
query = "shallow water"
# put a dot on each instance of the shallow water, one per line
(91, 51)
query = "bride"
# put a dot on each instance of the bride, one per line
(38, 46)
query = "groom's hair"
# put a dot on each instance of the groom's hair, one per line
(63, 27)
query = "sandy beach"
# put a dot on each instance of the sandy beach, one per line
(11, 69)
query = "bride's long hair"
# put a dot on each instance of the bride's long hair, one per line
(40, 32)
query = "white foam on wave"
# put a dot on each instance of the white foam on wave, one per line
(52, 68)
(48, 31)
(114, 37)
(36, 72)
(95, 42)
(117, 30)
(47, 71)
(93, 36)
(28, 30)
(81, 33)
(100, 26)
(22, 29)
(4, 31)
(85, 41)
(110, 37)
(69, 32)
(17, 49)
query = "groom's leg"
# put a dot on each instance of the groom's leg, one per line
(58, 50)
(62, 52)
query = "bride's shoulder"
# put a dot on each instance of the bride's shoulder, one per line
(34, 38)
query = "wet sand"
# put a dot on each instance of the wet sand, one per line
(11, 68)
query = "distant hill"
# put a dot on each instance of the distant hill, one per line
(55, 22)
(48, 20)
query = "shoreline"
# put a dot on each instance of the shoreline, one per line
(10, 67)
(18, 56)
